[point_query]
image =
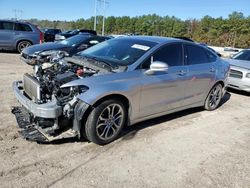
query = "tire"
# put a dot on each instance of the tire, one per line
(23, 44)
(105, 122)
(214, 98)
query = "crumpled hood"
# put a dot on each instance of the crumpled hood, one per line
(44, 47)
(239, 63)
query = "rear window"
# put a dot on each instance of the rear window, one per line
(6, 25)
(22, 27)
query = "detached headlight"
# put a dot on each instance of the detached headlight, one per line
(248, 75)
(60, 37)
(62, 54)
(49, 53)
(67, 91)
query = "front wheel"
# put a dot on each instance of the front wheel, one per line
(214, 98)
(105, 122)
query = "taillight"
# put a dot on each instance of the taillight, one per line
(41, 37)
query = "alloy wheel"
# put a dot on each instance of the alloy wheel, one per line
(110, 121)
(23, 45)
(215, 97)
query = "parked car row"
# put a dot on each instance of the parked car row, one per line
(62, 36)
(17, 35)
(44, 52)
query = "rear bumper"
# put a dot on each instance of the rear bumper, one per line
(47, 110)
(239, 84)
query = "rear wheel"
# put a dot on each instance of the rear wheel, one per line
(214, 98)
(23, 44)
(105, 122)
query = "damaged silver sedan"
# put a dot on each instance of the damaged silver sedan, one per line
(119, 82)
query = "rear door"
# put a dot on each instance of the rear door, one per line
(22, 30)
(201, 73)
(6, 34)
(162, 92)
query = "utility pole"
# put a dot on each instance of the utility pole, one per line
(103, 17)
(15, 11)
(100, 4)
(95, 15)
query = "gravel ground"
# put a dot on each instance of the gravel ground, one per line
(193, 148)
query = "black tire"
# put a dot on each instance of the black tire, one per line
(100, 123)
(214, 98)
(23, 44)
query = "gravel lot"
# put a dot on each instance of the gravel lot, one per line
(193, 148)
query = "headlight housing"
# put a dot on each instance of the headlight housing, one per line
(65, 94)
(48, 53)
(60, 37)
(248, 75)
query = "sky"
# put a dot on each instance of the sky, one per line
(76, 9)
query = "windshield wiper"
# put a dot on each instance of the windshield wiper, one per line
(101, 61)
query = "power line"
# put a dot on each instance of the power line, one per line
(18, 14)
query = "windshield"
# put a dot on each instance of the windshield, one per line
(122, 51)
(243, 55)
(75, 40)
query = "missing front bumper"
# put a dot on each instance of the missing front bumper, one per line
(30, 131)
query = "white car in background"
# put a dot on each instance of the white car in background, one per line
(239, 77)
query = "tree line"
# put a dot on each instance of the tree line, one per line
(232, 31)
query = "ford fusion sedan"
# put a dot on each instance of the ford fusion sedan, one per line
(72, 45)
(239, 77)
(117, 83)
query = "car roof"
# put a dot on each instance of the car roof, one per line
(16, 21)
(156, 39)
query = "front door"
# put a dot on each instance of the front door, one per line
(163, 91)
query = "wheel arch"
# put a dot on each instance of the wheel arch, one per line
(21, 40)
(220, 82)
(118, 97)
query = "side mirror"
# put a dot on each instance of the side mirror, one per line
(157, 66)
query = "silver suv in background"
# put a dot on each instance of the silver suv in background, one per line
(16, 35)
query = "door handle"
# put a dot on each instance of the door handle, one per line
(181, 73)
(212, 69)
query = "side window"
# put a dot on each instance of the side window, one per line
(6, 25)
(211, 56)
(197, 55)
(171, 54)
(146, 64)
(22, 27)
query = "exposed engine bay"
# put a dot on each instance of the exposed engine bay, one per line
(49, 77)
(43, 87)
